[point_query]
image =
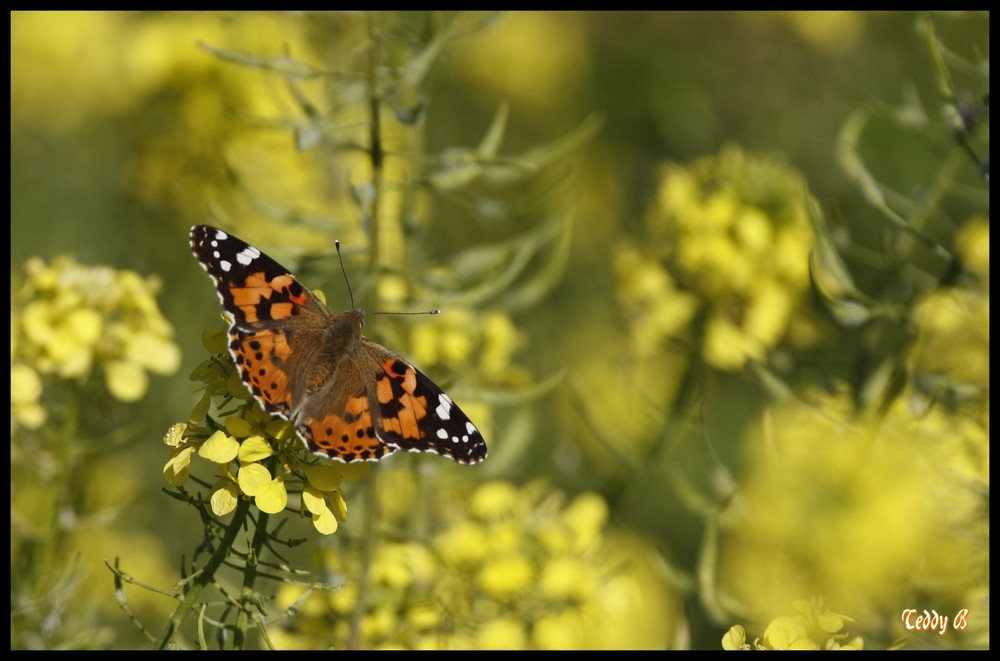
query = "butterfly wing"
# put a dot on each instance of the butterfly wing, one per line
(337, 421)
(414, 414)
(279, 327)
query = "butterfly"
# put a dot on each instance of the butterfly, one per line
(351, 399)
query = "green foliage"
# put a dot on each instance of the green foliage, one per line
(82, 341)
(715, 288)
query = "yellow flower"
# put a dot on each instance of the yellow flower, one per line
(729, 238)
(324, 520)
(25, 395)
(500, 340)
(820, 508)
(566, 578)
(153, 352)
(220, 448)
(558, 631)
(785, 633)
(224, 497)
(73, 318)
(250, 436)
(953, 344)
(175, 435)
(457, 337)
(271, 497)
(252, 478)
(656, 308)
(586, 516)
(735, 638)
(178, 467)
(504, 633)
(254, 448)
(726, 347)
(488, 581)
(506, 577)
(463, 544)
(494, 500)
(400, 566)
(813, 627)
(973, 247)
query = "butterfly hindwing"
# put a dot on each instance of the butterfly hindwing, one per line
(416, 415)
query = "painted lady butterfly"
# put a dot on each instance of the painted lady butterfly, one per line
(351, 399)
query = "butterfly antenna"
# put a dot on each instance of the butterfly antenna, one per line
(344, 271)
(370, 314)
(351, 293)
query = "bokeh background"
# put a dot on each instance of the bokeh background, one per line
(715, 287)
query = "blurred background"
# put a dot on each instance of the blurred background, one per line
(714, 286)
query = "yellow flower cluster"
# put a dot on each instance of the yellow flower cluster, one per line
(813, 628)
(729, 240)
(485, 341)
(656, 308)
(952, 349)
(255, 455)
(517, 568)
(860, 509)
(69, 320)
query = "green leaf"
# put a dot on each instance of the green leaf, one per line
(282, 64)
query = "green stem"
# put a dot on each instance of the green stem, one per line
(249, 578)
(376, 155)
(205, 576)
(42, 559)
(375, 143)
(367, 554)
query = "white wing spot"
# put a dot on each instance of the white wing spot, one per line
(442, 434)
(225, 265)
(247, 255)
(471, 428)
(444, 408)
(220, 235)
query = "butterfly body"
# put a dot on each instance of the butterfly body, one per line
(350, 398)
